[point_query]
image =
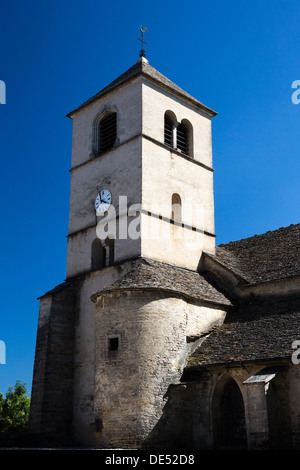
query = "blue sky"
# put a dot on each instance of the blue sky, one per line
(239, 58)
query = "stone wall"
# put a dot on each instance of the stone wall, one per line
(131, 383)
(84, 354)
(195, 416)
(51, 414)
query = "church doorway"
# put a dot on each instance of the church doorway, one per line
(229, 416)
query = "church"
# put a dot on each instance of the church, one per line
(158, 338)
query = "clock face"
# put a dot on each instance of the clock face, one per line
(103, 201)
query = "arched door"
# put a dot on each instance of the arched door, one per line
(228, 413)
(233, 416)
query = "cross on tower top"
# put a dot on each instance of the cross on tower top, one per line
(142, 51)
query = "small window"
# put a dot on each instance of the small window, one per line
(176, 208)
(113, 343)
(108, 132)
(110, 251)
(98, 256)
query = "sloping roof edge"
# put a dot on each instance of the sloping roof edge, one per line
(267, 257)
(142, 67)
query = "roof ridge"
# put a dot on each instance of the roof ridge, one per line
(142, 66)
(266, 257)
(268, 232)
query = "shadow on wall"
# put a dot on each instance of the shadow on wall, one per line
(174, 428)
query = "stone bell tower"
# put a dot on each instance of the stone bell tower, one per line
(113, 337)
(148, 144)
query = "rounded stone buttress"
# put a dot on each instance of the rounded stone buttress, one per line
(140, 349)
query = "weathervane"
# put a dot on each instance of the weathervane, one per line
(142, 51)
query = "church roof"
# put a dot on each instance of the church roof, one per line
(142, 67)
(260, 330)
(267, 257)
(151, 274)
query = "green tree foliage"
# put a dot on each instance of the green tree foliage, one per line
(14, 408)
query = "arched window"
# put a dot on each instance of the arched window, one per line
(176, 208)
(107, 132)
(178, 135)
(188, 139)
(98, 256)
(168, 131)
(102, 254)
(182, 139)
